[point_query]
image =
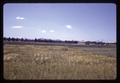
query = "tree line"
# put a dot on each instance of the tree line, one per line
(53, 41)
(38, 40)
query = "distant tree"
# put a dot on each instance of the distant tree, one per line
(21, 39)
(4, 38)
(35, 40)
(9, 39)
(25, 39)
(87, 42)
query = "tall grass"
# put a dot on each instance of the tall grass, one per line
(56, 62)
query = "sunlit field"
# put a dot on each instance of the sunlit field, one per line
(38, 62)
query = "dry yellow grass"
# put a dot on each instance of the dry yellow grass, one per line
(56, 62)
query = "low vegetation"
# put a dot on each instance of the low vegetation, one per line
(37, 62)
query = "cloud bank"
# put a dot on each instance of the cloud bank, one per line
(69, 26)
(17, 27)
(52, 31)
(19, 18)
(43, 31)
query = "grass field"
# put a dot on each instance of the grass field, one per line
(37, 62)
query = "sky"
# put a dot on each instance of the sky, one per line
(64, 21)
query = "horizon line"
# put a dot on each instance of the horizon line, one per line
(63, 40)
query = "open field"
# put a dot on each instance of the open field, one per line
(58, 62)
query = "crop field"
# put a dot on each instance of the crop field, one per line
(42, 62)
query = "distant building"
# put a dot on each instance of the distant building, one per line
(89, 43)
(111, 44)
(81, 43)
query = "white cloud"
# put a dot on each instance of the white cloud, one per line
(17, 27)
(52, 31)
(43, 31)
(19, 18)
(69, 26)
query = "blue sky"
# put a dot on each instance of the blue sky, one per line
(65, 21)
